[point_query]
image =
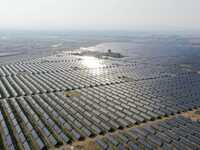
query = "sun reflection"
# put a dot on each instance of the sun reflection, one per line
(91, 62)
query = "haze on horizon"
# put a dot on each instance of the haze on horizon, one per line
(100, 14)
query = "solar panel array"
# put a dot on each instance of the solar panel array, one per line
(56, 100)
(177, 133)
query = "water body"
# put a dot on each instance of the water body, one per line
(6, 54)
(149, 48)
(17, 45)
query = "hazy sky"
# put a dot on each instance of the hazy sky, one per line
(100, 14)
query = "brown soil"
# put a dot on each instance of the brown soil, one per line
(192, 115)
